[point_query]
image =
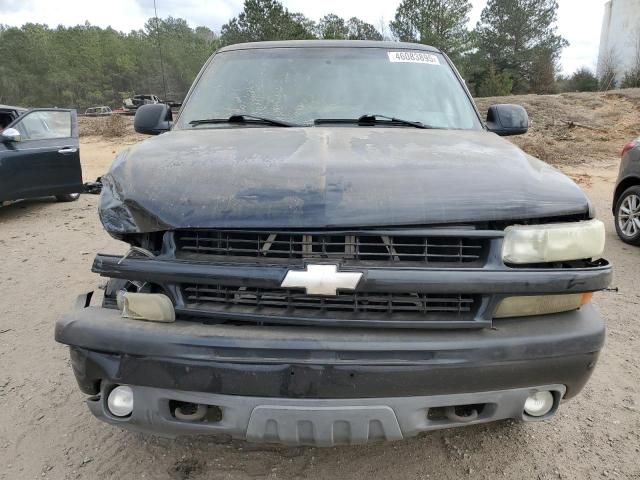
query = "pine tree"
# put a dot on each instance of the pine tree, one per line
(439, 23)
(332, 27)
(495, 84)
(513, 33)
(266, 20)
(582, 80)
(543, 73)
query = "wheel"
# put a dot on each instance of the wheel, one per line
(68, 197)
(628, 216)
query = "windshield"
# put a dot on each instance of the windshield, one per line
(302, 85)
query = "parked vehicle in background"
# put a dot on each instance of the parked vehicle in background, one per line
(173, 104)
(98, 112)
(626, 199)
(40, 156)
(330, 246)
(135, 102)
(9, 114)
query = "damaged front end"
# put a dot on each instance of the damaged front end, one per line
(414, 348)
(337, 285)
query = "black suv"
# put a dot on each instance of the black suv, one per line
(626, 199)
(330, 246)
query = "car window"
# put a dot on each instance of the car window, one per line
(5, 119)
(303, 84)
(43, 125)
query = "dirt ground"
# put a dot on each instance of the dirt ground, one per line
(46, 432)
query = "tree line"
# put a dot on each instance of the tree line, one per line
(514, 48)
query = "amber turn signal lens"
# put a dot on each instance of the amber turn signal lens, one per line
(586, 298)
(540, 304)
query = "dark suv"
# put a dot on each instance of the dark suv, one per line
(330, 246)
(626, 199)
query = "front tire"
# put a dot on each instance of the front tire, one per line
(627, 216)
(68, 197)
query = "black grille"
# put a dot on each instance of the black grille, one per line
(371, 247)
(296, 302)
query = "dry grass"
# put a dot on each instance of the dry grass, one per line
(614, 118)
(113, 126)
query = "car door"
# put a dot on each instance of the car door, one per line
(45, 161)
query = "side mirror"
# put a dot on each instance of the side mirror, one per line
(153, 119)
(10, 135)
(506, 120)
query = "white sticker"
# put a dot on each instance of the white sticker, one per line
(413, 57)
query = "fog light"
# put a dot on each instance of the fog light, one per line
(539, 404)
(120, 401)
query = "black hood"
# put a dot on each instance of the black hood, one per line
(329, 177)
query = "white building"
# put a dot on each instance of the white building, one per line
(620, 36)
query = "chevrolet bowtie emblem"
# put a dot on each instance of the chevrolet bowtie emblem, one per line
(321, 280)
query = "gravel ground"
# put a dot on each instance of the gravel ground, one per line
(46, 431)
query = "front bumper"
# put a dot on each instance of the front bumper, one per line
(298, 380)
(315, 422)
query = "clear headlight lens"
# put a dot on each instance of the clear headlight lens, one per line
(553, 243)
(540, 304)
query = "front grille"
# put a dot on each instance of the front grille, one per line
(364, 247)
(295, 302)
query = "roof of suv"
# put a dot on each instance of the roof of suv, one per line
(330, 43)
(9, 107)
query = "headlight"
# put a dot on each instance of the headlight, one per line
(540, 304)
(553, 243)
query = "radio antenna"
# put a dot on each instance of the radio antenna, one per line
(164, 82)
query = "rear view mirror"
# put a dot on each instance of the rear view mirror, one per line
(10, 135)
(153, 119)
(505, 120)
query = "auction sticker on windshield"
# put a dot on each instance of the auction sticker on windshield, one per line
(413, 57)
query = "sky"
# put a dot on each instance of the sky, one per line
(579, 21)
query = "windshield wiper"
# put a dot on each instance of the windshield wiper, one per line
(370, 120)
(244, 119)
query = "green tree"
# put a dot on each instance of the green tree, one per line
(183, 51)
(543, 72)
(332, 26)
(440, 23)
(360, 30)
(582, 80)
(266, 20)
(87, 66)
(495, 84)
(513, 33)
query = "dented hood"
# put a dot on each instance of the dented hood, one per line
(328, 177)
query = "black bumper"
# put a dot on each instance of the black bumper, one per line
(316, 363)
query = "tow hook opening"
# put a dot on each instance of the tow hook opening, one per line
(195, 412)
(456, 413)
